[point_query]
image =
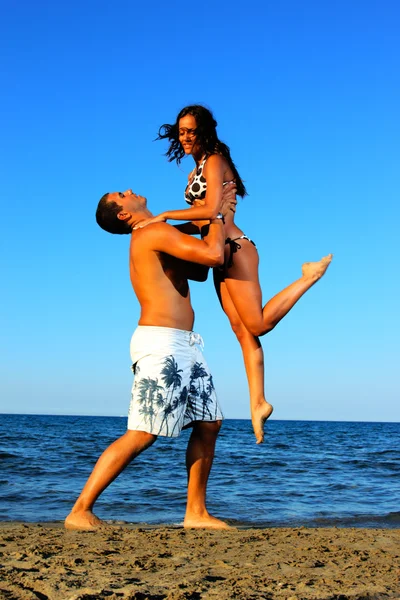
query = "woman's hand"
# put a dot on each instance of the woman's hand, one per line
(158, 219)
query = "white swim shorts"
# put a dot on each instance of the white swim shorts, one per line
(173, 386)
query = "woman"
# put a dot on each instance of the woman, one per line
(237, 284)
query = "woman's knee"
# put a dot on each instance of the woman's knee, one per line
(239, 329)
(250, 329)
(260, 329)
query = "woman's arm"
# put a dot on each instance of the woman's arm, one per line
(188, 228)
(215, 166)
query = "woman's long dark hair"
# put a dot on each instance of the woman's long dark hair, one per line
(207, 138)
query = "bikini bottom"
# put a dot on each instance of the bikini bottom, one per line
(234, 247)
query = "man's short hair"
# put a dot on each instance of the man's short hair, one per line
(106, 216)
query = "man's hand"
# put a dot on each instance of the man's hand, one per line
(229, 198)
(158, 219)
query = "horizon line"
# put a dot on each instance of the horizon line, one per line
(226, 419)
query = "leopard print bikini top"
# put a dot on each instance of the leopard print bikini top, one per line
(196, 189)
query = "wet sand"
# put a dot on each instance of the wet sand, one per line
(47, 562)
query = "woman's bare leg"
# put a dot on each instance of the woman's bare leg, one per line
(110, 464)
(244, 289)
(240, 296)
(253, 357)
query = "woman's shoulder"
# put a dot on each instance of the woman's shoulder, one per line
(217, 162)
(215, 159)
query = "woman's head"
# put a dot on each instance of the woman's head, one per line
(195, 132)
(205, 137)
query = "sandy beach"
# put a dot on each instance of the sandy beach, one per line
(47, 562)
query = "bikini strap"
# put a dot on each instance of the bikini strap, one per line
(201, 165)
(234, 247)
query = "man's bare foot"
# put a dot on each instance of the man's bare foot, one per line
(258, 417)
(315, 270)
(204, 522)
(83, 520)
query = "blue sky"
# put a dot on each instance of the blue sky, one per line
(306, 94)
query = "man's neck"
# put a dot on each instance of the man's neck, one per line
(139, 217)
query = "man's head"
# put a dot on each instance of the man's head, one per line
(118, 212)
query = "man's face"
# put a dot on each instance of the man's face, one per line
(129, 201)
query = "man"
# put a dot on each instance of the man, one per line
(167, 360)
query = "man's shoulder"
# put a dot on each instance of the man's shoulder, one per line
(150, 236)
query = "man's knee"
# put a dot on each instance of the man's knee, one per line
(215, 426)
(207, 430)
(140, 438)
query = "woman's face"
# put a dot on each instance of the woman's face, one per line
(187, 134)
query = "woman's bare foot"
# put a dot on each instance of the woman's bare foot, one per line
(83, 520)
(315, 270)
(258, 417)
(205, 521)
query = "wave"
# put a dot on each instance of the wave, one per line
(5, 455)
(390, 520)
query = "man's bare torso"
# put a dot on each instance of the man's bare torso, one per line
(160, 282)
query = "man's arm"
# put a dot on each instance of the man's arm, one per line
(162, 237)
(195, 272)
(189, 228)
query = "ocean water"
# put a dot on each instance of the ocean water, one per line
(316, 474)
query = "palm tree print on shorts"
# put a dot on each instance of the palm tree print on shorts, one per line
(173, 380)
(149, 396)
(164, 402)
(201, 387)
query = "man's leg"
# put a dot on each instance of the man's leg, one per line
(110, 464)
(199, 459)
